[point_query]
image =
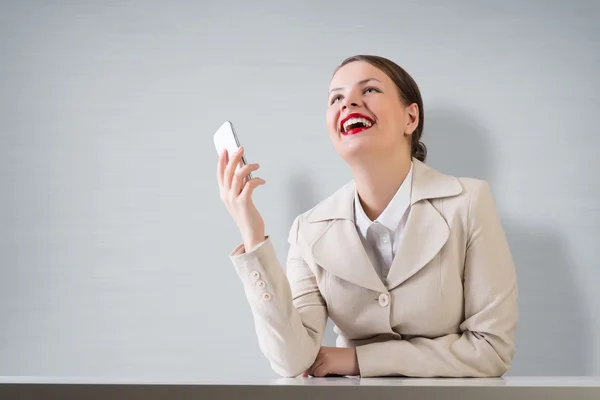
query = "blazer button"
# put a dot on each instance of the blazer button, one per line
(266, 296)
(254, 275)
(261, 284)
(384, 299)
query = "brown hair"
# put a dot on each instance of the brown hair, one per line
(409, 93)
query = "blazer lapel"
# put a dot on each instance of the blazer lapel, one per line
(338, 247)
(424, 235)
(426, 230)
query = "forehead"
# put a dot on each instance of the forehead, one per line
(356, 71)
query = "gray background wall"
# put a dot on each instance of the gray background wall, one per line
(113, 241)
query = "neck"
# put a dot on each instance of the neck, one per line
(377, 181)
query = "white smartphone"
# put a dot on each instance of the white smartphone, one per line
(225, 138)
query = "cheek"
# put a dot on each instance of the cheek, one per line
(332, 117)
(381, 108)
(388, 114)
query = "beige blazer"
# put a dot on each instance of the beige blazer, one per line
(448, 307)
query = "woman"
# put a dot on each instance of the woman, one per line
(411, 265)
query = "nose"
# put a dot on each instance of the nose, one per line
(349, 103)
(352, 99)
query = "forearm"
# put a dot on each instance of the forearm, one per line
(289, 330)
(456, 355)
(484, 348)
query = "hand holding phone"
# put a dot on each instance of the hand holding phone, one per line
(236, 186)
(226, 139)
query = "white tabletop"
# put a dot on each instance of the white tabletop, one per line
(550, 381)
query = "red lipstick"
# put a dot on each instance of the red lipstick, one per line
(358, 127)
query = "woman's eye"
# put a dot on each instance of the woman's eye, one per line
(371, 89)
(336, 98)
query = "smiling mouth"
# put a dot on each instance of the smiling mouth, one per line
(355, 123)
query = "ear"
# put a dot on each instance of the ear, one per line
(413, 119)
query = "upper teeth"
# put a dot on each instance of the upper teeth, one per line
(352, 121)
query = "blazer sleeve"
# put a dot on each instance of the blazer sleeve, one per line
(485, 347)
(289, 312)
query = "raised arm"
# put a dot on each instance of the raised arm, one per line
(289, 323)
(289, 319)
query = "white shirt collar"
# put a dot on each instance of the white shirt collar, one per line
(392, 214)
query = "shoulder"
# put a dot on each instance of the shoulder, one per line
(473, 187)
(475, 205)
(453, 196)
(479, 199)
(337, 205)
(473, 193)
(475, 190)
(436, 186)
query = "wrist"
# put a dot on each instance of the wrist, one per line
(355, 368)
(251, 242)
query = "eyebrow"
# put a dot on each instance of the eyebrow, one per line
(359, 83)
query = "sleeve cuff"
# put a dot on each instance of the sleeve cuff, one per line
(239, 250)
(374, 359)
(260, 263)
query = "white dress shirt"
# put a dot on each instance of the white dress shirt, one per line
(380, 237)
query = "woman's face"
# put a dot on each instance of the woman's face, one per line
(366, 117)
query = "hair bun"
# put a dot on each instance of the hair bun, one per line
(419, 151)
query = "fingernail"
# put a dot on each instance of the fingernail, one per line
(240, 149)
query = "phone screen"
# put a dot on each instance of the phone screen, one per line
(226, 138)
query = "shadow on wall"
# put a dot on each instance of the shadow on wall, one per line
(302, 198)
(553, 334)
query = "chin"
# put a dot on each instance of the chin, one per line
(355, 149)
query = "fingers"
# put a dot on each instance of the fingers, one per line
(320, 371)
(235, 187)
(313, 368)
(239, 177)
(249, 187)
(221, 164)
(318, 361)
(232, 164)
